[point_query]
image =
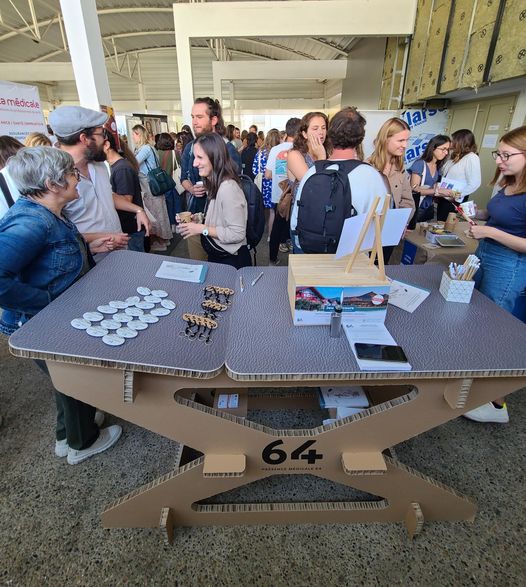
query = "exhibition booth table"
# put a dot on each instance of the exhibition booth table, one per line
(198, 393)
(421, 251)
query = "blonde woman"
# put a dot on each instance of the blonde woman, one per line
(156, 205)
(388, 158)
(37, 139)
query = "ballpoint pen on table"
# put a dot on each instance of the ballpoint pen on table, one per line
(241, 284)
(257, 278)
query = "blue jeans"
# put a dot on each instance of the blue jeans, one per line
(502, 277)
(136, 242)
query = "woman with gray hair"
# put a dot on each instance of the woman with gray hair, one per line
(42, 255)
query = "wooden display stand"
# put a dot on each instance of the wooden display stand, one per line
(312, 271)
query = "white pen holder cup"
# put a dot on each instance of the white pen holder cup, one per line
(455, 290)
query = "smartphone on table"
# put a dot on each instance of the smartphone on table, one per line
(380, 352)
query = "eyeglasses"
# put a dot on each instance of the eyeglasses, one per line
(503, 156)
(98, 134)
(443, 149)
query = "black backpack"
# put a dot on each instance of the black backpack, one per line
(324, 205)
(256, 211)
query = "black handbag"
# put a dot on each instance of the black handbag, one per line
(160, 182)
(212, 248)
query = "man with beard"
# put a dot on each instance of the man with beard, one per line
(80, 133)
(207, 117)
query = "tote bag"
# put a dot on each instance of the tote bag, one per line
(160, 182)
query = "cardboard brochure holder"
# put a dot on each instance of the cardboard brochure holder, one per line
(317, 282)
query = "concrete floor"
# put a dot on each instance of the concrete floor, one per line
(50, 531)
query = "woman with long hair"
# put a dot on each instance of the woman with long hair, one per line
(223, 233)
(463, 166)
(310, 144)
(147, 159)
(502, 246)
(165, 148)
(259, 166)
(388, 159)
(425, 173)
(248, 155)
(124, 178)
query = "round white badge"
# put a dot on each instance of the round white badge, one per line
(110, 324)
(93, 316)
(145, 305)
(148, 319)
(113, 340)
(168, 304)
(122, 317)
(80, 323)
(377, 299)
(160, 293)
(144, 291)
(133, 311)
(133, 299)
(120, 305)
(160, 312)
(137, 325)
(152, 299)
(107, 309)
(126, 332)
(96, 331)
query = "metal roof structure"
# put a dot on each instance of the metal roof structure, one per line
(139, 43)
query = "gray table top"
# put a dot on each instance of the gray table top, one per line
(158, 349)
(440, 338)
(256, 339)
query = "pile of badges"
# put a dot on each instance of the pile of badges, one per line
(119, 320)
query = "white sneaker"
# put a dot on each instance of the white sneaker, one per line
(107, 438)
(62, 447)
(489, 413)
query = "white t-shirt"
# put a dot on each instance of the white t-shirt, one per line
(15, 194)
(94, 210)
(277, 164)
(365, 181)
(467, 171)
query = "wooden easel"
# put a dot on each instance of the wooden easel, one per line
(376, 251)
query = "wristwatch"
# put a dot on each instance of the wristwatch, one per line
(205, 231)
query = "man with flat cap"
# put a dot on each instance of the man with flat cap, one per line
(80, 133)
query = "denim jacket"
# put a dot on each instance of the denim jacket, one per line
(40, 258)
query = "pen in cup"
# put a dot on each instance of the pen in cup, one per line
(257, 278)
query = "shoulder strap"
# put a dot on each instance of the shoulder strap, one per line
(5, 190)
(155, 156)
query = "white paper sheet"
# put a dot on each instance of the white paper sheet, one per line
(406, 296)
(181, 272)
(372, 334)
(392, 231)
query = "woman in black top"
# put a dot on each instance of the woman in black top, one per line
(248, 154)
(124, 180)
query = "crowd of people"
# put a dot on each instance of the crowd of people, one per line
(64, 206)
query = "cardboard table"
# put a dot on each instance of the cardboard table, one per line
(163, 382)
(442, 255)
